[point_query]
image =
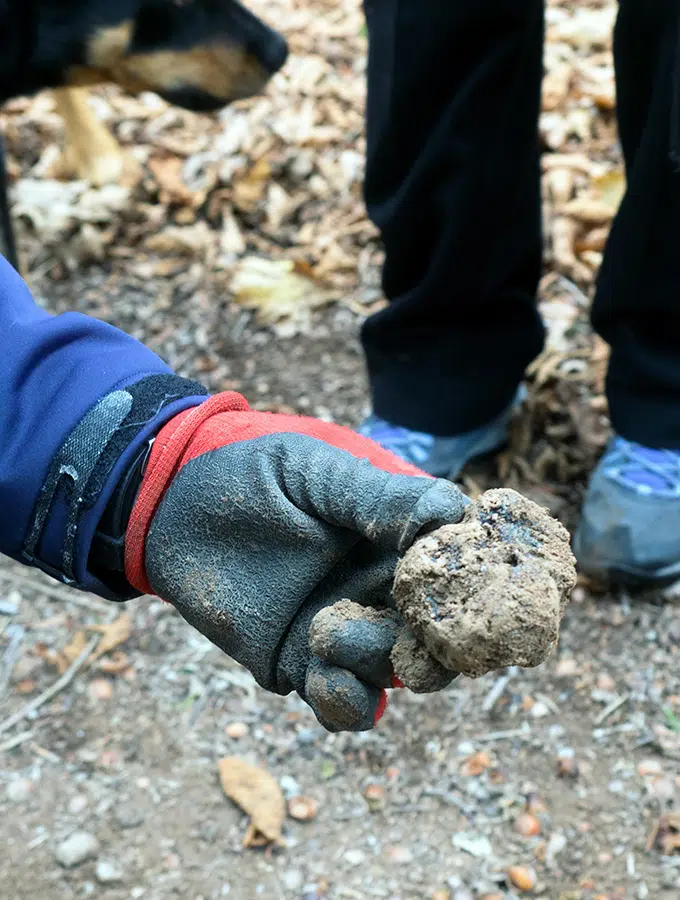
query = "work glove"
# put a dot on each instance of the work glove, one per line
(251, 523)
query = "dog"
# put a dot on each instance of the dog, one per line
(201, 55)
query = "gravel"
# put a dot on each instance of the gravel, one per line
(77, 848)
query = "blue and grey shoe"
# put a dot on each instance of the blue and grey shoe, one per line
(443, 457)
(630, 523)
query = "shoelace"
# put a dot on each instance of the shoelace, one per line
(644, 469)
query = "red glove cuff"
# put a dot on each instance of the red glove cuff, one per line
(166, 459)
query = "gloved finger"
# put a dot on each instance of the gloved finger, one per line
(340, 701)
(390, 510)
(357, 638)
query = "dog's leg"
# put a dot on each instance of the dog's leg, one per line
(91, 153)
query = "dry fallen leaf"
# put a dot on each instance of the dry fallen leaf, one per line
(51, 657)
(276, 289)
(609, 188)
(249, 190)
(73, 650)
(258, 794)
(168, 173)
(113, 635)
(476, 764)
(117, 664)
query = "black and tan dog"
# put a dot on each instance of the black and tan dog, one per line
(198, 54)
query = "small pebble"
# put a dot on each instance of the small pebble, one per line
(567, 766)
(19, 789)
(477, 845)
(527, 825)
(566, 668)
(76, 849)
(289, 786)
(443, 895)
(100, 689)
(554, 847)
(606, 683)
(302, 808)
(236, 730)
(374, 795)
(540, 710)
(522, 877)
(77, 804)
(355, 857)
(292, 879)
(108, 871)
(650, 767)
(663, 788)
(129, 816)
(400, 855)
(7, 608)
(306, 737)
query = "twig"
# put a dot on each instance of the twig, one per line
(550, 703)
(624, 728)
(524, 731)
(497, 691)
(51, 691)
(13, 742)
(16, 636)
(616, 703)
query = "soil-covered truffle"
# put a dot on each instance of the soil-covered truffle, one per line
(491, 591)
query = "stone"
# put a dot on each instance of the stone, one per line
(78, 847)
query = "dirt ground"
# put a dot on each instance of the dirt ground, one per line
(560, 782)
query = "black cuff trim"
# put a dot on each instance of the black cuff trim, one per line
(81, 468)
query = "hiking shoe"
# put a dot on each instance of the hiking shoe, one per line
(630, 522)
(443, 457)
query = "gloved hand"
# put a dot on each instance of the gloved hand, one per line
(250, 523)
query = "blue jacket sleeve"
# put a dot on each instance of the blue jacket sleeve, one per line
(53, 370)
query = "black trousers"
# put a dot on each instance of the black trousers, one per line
(453, 184)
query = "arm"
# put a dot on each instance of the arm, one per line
(117, 474)
(54, 370)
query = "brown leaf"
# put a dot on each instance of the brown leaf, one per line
(115, 665)
(476, 764)
(51, 657)
(168, 173)
(591, 210)
(258, 794)
(73, 650)
(249, 190)
(276, 289)
(113, 635)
